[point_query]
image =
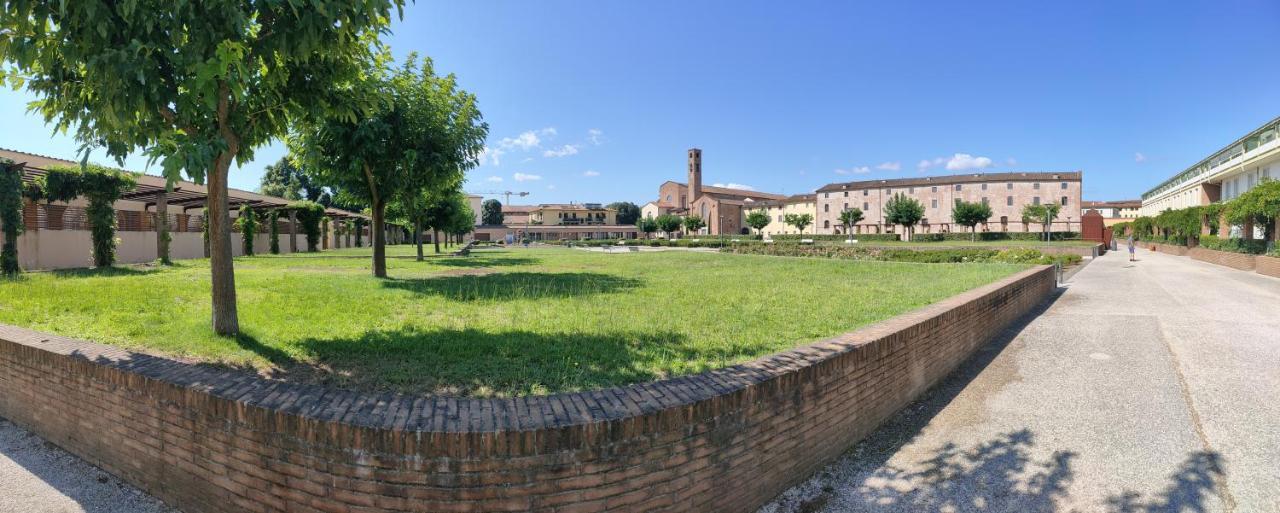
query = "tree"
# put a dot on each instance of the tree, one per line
(309, 214)
(849, 218)
(284, 180)
(905, 211)
(425, 134)
(10, 215)
(668, 223)
(758, 219)
(1044, 214)
(647, 225)
(463, 220)
(693, 223)
(197, 85)
(102, 187)
(491, 212)
(970, 214)
(628, 212)
(800, 221)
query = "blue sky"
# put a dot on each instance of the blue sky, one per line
(597, 101)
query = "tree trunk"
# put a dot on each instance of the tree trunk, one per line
(973, 233)
(417, 237)
(379, 236)
(221, 267)
(435, 238)
(162, 228)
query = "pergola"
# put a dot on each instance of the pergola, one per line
(154, 193)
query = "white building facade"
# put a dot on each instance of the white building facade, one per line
(1223, 176)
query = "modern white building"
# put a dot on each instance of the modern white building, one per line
(1222, 176)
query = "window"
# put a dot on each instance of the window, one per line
(1036, 186)
(1035, 200)
(958, 200)
(958, 187)
(888, 191)
(865, 207)
(911, 190)
(865, 191)
(826, 195)
(935, 203)
(935, 189)
(846, 205)
(1008, 201)
(1064, 201)
(1064, 186)
(846, 194)
(1009, 186)
(826, 207)
(984, 186)
(779, 218)
(985, 202)
(826, 224)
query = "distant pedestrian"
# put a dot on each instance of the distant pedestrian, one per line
(1131, 247)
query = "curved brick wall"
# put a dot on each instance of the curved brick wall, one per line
(208, 441)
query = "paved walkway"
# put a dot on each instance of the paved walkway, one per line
(1145, 387)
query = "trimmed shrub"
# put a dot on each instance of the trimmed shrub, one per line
(1234, 245)
(993, 236)
(862, 237)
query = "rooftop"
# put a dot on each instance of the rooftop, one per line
(1029, 176)
(1132, 203)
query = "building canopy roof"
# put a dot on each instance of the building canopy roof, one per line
(1070, 176)
(184, 194)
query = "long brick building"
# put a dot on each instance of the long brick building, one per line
(1007, 193)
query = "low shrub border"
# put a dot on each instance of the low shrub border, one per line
(1241, 261)
(1018, 236)
(206, 439)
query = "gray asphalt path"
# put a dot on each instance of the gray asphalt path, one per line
(1144, 387)
(37, 477)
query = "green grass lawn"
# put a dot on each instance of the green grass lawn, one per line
(501, 322)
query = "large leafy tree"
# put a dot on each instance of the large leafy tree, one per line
(647, 225)
(628, 212)
(491, 212)
(758, 219)
(284, 180)
(903, 210)
(198, 85)
(971, 214)
(424, 135)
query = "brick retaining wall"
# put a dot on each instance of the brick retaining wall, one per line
(1171, 249)
(1241, 261)
(1268, 265)
(208, 440)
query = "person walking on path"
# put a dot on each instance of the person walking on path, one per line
(1130, 247)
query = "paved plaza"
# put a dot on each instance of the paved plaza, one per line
(1144, 387)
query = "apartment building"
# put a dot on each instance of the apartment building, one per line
(1223, 175)
(1006, 193)
(573, 214)
(778, 210)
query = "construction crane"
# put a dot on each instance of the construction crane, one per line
(502, 193)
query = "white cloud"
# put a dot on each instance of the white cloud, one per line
(856, 170)
(926, 164)
(1011, 162)
(965, 161)
(564, 151)
(590, 173)
(889, 166)
(491, 156)
(596, 136)
(732, 185)
(494, 179)
(522, 177)
(1139, 157)
(525, 141)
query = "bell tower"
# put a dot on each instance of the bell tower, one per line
(695, 175)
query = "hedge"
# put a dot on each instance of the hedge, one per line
(1234, 245)
(930, 256)
(837, 238)
(992, 236)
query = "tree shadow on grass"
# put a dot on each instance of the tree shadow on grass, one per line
(470, 362)
(514, 286)
(482, 261)
(105, 272)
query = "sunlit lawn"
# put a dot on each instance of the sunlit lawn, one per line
(501, 322)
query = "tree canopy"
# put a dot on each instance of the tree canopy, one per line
(647, 225)
(903, 210)
(693, 223)
(849, 218)
(668, 223)
(628, 212)
(491, 212)
(284, 180)
(970, 215)
(195, 85)
(758, 219)
(424, 135)
(800, 221)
